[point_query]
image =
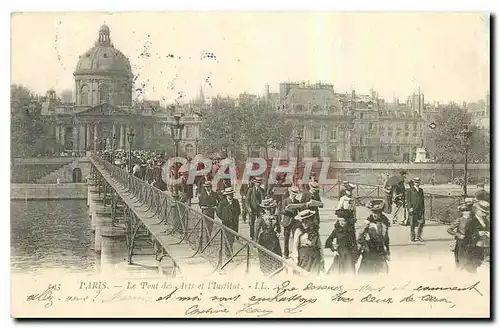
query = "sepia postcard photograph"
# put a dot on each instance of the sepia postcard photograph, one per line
(258, 164)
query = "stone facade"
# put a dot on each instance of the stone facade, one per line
(104, 112)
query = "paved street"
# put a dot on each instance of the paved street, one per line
(434, 254)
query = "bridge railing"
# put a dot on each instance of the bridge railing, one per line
(225, 249)
(440, 208)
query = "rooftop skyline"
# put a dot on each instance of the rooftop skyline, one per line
(445, 54)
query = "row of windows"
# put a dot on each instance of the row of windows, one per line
(481, 113)
(103, 94)
(398, 134)
(316, 132)
(373, 126)
(314, 108)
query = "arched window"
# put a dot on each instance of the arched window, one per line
(189, 149)
(84, 95)
(103, 93)
(77, 175)
(316, 151)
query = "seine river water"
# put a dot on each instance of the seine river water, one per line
(51, 235)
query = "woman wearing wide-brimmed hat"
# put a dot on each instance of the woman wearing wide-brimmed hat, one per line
(267, 236)
(373, 240)
(477, 237)
(346, 207)
(307, 249)
(342, 242)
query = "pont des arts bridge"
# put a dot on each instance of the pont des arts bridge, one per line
(127, 211)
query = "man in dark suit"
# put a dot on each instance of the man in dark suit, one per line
(255, 195)
(229, 212)
(416, 209)
(243, 193)
(288, 217)
(208, 202)
(312, 201)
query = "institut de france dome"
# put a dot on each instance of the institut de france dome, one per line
(103, 111)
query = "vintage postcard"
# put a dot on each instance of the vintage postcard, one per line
(250, 165)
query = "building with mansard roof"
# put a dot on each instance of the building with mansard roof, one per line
(104, 111)
(320, 118)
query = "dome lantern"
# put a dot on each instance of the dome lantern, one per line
(104, 38)
(103, 58)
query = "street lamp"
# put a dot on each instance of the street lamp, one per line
(196, 144)
(113, 149)
(130, 139)
(466, 135)
(299, 142)
(176, 129)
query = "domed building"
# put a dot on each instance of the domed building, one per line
(103, 74)
(104, 112)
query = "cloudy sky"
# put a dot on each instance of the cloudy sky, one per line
(446, 54)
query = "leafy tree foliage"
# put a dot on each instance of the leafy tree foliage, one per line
(31, 133)
(256, 125)
(446, 143)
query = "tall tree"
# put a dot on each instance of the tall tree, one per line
(256, 125)
(23, 110)
(446, 143)
(221, 128)
(31, 133)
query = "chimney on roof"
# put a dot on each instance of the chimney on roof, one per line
(353, 93)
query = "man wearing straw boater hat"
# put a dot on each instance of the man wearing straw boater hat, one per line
(415, 205)
(228, 211)
(482, 194)
(312, 201)
(290, 209)
(255, 195)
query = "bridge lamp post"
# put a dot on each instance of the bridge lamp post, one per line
(196, 141)
(176, 130)
(103, 141)
(466, 135)
(299, 143)
(130, 139)
(113, 143)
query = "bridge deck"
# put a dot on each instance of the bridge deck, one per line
(181, 253)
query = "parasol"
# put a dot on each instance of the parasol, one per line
(198, 158)
(226, 161)
(184, 168)
(394, 180)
